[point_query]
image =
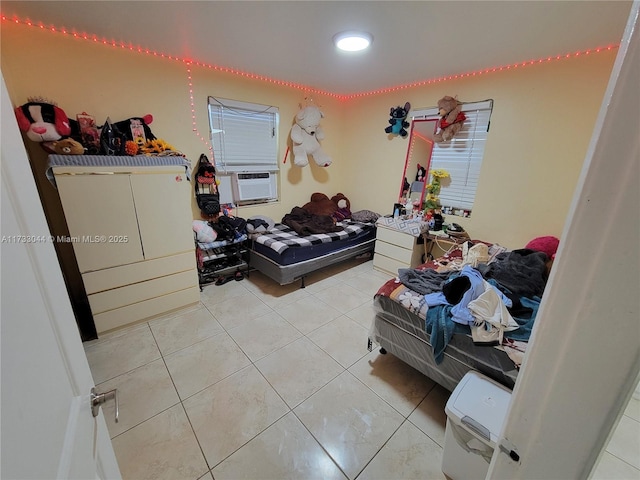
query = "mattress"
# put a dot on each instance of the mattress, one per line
(402, 333)
(285, 256)
(285, 247)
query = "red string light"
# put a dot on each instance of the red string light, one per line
(282, 83)
(194, 123)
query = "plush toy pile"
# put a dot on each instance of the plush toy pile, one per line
(398, 123)
(46, 123)
(451, 119)
(306, 134)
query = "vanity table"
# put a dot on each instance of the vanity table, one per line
(399, 244)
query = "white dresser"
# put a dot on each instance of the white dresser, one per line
(132, 236)
(397, 246)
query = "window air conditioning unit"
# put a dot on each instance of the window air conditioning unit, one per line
(254, 186)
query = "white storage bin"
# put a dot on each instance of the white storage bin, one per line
(475, 413)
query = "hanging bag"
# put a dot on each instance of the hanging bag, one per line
(206, 187)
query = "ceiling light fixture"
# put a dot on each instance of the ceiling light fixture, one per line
(352, 41)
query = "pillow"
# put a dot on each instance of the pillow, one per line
(259, 224)
(204, 232)
(365, 216)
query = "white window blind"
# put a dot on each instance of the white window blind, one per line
(462, 155)
(244, 135)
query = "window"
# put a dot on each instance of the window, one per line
(461, 156)
(244, 136)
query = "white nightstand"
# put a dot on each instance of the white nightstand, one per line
(396, 249)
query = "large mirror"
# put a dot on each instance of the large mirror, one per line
(416, 167)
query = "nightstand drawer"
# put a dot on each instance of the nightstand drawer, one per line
(395, 237)
(387, 265)
(393, 251)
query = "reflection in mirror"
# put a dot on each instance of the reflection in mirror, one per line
(416, 167)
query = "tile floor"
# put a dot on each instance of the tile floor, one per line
(261, 381)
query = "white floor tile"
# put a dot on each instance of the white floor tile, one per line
(205, 363)
(230, 413)
(350, 421)
(625, 442)
(308, 313)
(163, 447)
(183, 330)
(121, 352)
(408, 455)
(399, 384)
(285, 450)
(343, 339)
(363, 315)
(611, 467)
(343, 297)
(430, 416)
(232, 312)
(142, 393)
(264, 335)
(298, 370)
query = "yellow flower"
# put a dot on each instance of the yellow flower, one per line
(439, 173)
(156, 146)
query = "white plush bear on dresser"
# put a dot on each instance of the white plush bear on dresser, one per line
(305, 133)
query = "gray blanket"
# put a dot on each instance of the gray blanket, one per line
(524, 272)
(423, 281)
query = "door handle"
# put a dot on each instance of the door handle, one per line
(98, 399)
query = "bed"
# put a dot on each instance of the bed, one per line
(429, 340)
(285, 256)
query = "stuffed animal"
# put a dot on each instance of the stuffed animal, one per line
(42, 120)
(137, 129)
(344, 207)
(398, 122)
(320, 204)
(67, 146)
(451, 119)
(305, 135)
(422, 173)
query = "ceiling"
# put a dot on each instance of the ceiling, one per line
(292, 41)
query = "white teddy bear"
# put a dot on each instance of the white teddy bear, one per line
(305, 134)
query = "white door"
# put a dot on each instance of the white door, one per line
(48, 430)
(583, 361)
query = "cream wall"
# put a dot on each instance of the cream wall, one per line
(106, 81)
(540, 128)
(541, 125)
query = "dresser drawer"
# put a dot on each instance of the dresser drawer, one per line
(120, 297)
(115, 277)
(395, 237)
(394, 251)
(136, 312)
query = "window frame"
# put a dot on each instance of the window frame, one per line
(235, 155)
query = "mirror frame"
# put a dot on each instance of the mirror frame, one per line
(414, 135)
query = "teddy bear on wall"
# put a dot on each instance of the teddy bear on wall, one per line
(398, 120)
(451, 119)
(305, 135)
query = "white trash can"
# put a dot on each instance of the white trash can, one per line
(475, 412)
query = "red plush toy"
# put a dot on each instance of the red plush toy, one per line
(548, 245)
(42, 120)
